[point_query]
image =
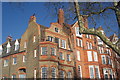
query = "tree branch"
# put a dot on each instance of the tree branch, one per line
(92, 31)
(101, 11)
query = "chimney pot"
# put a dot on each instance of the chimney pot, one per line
(9, 38)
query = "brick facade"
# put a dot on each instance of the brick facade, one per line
(59, 51)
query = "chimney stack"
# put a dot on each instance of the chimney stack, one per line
(61, 16)
(9, 38)
(32, 18)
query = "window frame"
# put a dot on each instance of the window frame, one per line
(56, 30)
(103, 61)
(92, 76)
(79, 71)
(24, 58)
(14, 60)
(68, 57)
(63, 45)
(53, 72)
(89, 55)
(6, 61)
(45, 51)
(45, 73)
(53, 51)
(61, 74)
(61, 56)
(95, 56)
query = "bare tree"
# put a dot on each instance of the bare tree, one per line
(93, 31)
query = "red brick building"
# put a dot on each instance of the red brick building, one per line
(59, 51)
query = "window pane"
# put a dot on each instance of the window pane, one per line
(68, 57)
(95, 56)
(53, 72)
(91, 69)
(16, 47)
(13, 77)
(63, 44)
(44, 72)
(56, 29)
(69, 74)
(89, 55)
(44, 50)
(50, 38)
(61, 56)
(97, 72)
(79, 72)
(61, 74)
(103, 59)
(52, 51)
(14, 60)
(5, 62)
(56, 40)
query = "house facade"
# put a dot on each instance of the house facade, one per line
(58, 51)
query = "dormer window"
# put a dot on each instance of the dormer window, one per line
(56, 29)
(0, 49)
(16, 45)
(8, 47)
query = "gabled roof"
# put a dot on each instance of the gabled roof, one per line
(100, 28)
(112, 37)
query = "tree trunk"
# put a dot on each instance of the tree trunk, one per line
(98, 33)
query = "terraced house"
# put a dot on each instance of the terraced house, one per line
(59, 51)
